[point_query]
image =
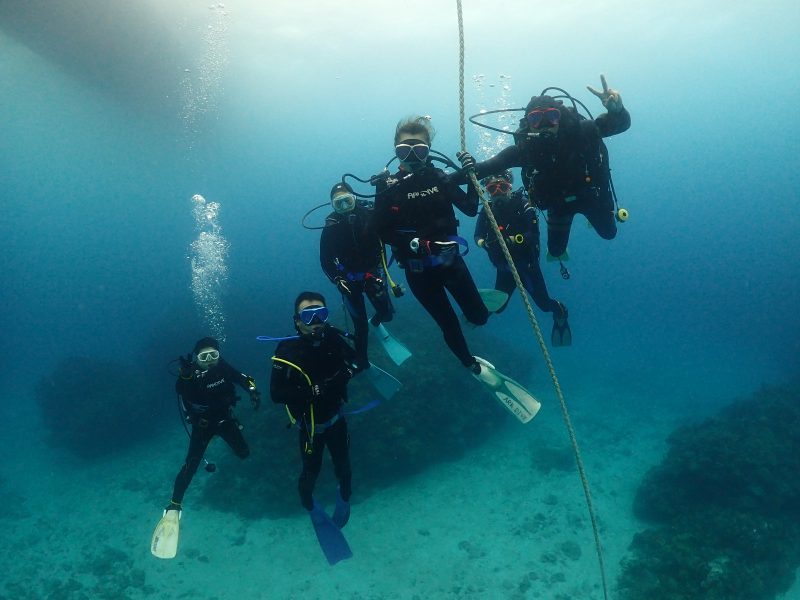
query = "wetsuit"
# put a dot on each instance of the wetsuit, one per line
(316, 408)
(417, 209)
(207, 399)
(351, 250)
(519, 224)
(566, 175)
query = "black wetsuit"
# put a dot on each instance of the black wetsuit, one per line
(420, 205)
(519, 224)
(350, 249)
(328, 363)
(566, 175)
(208, 398)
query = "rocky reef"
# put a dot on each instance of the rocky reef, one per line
(724, 507)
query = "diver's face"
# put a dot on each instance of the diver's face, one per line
(498, 188)
(315, 327)
(207, 357)
(412, 150)
(544, 122)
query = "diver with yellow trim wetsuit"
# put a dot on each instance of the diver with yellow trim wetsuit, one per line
(310, 375)
(519, 224)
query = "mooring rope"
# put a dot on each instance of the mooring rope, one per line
(531, 316)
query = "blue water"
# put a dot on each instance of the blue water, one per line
(697, 294)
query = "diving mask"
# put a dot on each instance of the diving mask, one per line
(207, 357)
(313, 314)
(412, 151)
(498, 187)
(543, 117)
(343, 202)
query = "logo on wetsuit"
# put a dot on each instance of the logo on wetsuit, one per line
(423, 193)
(216, 383)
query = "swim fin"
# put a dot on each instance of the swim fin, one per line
(493, 299)
(511, 394)
(341, 514)
(396, 350)
(165, 537)
(331, 539)
(563, 258)
(561, 334)
(386, 385)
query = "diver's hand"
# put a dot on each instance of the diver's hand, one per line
(255, 399)
(610, 98)
(341, 285)
(186, 367)
(466, 159)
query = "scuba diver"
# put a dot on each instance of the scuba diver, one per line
(564, 163)
(310, 374)
(351, 255)
(519, 224)
(414, 214)
(205, 388)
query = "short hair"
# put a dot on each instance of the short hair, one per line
(341, 186)
(507, 175)
(312, 296)
(415, 125)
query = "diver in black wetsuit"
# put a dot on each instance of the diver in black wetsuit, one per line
(207, 396)
(414, 214)
(310, 375)
(350, 254)
(519, 224)
(564, 163)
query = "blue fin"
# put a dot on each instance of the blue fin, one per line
(396, 350)
(341, 514)
(331, 539)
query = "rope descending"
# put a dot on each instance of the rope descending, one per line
(531, 316)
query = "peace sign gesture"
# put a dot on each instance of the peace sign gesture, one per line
(609, 97)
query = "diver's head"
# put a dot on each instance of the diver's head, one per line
(412, 142)
(499, 185)
(206, 353)
(310, 315)
(543, 116)
(343, 199)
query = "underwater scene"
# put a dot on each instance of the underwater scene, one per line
(425, 300)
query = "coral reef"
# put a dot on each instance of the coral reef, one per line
(92, 407)
(726, 506)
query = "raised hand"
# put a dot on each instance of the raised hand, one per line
(610, 98)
